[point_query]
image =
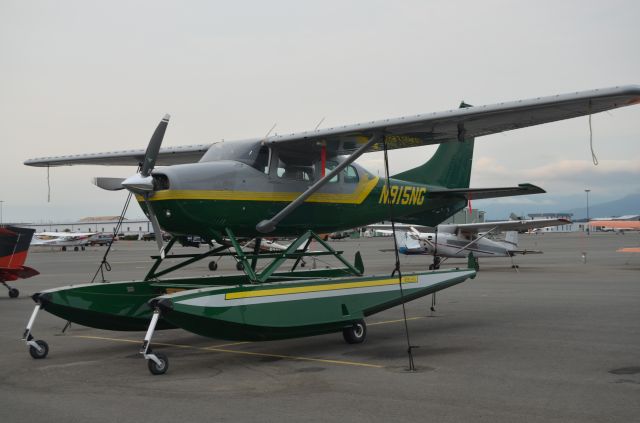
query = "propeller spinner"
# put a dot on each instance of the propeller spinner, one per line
(142, 183)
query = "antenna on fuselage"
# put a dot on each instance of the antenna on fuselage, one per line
(319, 123)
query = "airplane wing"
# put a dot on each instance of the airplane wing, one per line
(469, 122)
(167, 156)
(509, 225)
(403, 132)
(483, 193)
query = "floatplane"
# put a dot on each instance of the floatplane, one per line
(292, 185)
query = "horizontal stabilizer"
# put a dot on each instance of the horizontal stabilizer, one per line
(21, 272)
(110, 184)
(482, 193)
(525, 252)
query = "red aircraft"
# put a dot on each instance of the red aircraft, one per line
(14, 245)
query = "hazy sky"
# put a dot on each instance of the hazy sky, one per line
(82, 76)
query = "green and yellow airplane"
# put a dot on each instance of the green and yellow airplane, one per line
(294, 185)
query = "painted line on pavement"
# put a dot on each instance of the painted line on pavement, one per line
(228, 351)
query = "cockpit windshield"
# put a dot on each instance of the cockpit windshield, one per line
(247, 152)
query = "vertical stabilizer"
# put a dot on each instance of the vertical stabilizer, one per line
(14, 243)
(450, 166)
(511, 237)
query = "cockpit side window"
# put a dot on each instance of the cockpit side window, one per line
(350, 175)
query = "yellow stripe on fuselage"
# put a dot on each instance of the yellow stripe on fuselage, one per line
(363, 189)
(316, 288)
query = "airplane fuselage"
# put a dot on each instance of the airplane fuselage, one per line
(451, 245)
(455, 246)
(208, 198)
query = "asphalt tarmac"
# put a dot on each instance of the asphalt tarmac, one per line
(557, 340)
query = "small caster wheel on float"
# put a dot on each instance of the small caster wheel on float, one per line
(75, 248)
(356, 333)
(158, 368)
(38, 354)
(13, 293)
(64, 248)
(515, 266)
(213, 266)
(239, 266)
(303, 263)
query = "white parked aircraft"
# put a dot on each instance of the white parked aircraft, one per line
(77, 240)
(458, 240)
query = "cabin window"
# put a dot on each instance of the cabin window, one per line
(329, 166)
(297, 172)
(350, 175)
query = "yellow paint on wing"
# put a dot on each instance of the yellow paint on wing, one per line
(316, 288)
(364, 187)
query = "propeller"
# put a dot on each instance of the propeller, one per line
(142, 183)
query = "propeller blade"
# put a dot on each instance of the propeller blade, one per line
(154, 222)
(153, 148)
(110, 184)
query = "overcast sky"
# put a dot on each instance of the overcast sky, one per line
(82, 76)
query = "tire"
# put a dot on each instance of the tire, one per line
(13, 293)
(39, 354)
(75, 248)
(154, 368)
(431, 267)
(239, 266)
(64, 248)
(213, 266)
(356, 333)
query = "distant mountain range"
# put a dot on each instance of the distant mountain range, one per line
(629, 204)
(548, 203)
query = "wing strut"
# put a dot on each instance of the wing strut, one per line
(268, 225)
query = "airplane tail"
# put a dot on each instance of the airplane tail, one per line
(511, 237)
(450, 166)
(406, 244)
(14, 244)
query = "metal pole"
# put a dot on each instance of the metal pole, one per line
(588, 219)
(1, 203)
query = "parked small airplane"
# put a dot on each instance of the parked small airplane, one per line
(458, 240)
(14, 245)
(293, 185)
(77, 240)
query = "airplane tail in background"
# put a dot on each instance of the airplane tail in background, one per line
(511, 237)
(406, 244)
(14, 245)
(450, 166)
